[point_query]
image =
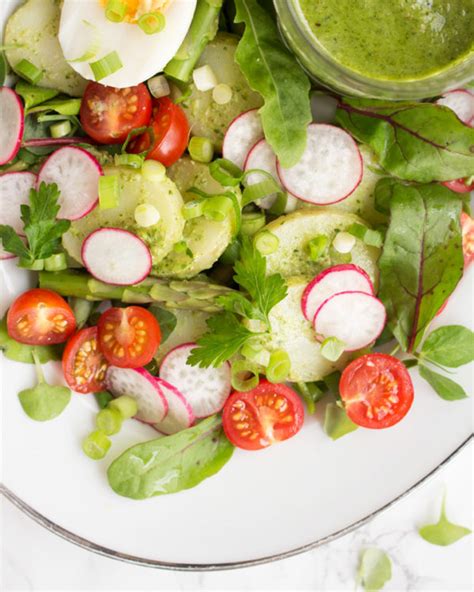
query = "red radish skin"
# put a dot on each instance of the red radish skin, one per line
(14, 192)
(346, 169)
(12, 124)
(461, 101)
(180, 414)
(116, 256)
(205, 389)
(242, 134)
(139, 384)
(335, 279)
(76, 173)
(345, 313)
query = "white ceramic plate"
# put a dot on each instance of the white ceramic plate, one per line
(260, 506)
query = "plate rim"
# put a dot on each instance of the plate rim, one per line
(224, 566)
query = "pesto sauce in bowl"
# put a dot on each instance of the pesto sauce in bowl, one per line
(393, 39)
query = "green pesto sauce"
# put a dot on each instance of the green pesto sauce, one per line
(393, 39)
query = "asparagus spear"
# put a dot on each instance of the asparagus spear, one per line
(194, 295)
(202, 30)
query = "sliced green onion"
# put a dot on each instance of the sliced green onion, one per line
(370, 237)
(96, 445)
(259, 190)
(231, 254)
(278, 207)
(36, 265)
(217, 207)
(279, 366)
(204, 78)
(115, 10)
(82, 310)
(193, 209)
(332, 348)
(109, 192)
(226, 172)
(56, 262)
(146, 215)
(241, 381)
(106, 66)
(159, 86)
(59, 130)
(135, 161)
(94, 47)
(222, 94)
(344, 242)
(317, 246)
(126, 406)
(266, 242)
(152, 22)
(252, 222)
(29, 71)
(201, 149)
(109, 421)
(153, 170)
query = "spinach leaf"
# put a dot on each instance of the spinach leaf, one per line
(173, 463)
(375, 569)
(336, 422)
(420, 142)
(166, 319)
(272, 71)
(20, 352)
(450, 346)
(422, 259)
(44, 402)
(444, 532)
(446, 388)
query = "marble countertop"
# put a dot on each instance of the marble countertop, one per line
(35, 559)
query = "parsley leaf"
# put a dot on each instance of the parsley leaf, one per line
(12, 242)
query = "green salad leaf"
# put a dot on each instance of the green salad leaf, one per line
(451, 346)
(444, 532)
(103, 398)
(171, 464)
(34, 95)
(311, 393)
(446, 388)
(421, 142)
(336, 421)
(273, 71)
(166, 319)
(375, 569)
(422, 259)
(21, 352)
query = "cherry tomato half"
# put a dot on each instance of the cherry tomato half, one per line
(467, 226)
(40, 317)
(459, 185)
(171, 130)
(84, 366)
(377, 391)
(109, 114)
(268, 413)
(128, 337)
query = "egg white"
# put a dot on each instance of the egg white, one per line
(142, 55)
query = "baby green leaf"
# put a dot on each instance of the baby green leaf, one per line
(311, 392)
(332, 348)
(444, 532)
(44, 402)
(446, 388)
(170, 464)
(20, 352)
(336, 422)
(375, 569)
(103, 398)
(166, 319)
(450, 346)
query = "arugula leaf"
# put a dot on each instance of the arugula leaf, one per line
(446, 388)
(375, 569)
(225, 338)
(21, 352)
(444, 532)
(422, 259)
(421, 142)
(337, 422)
(273, 71)
(166, 319)
(450, 346)
(171, 464)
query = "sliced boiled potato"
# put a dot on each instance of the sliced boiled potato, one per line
(295, 230)
(134, 190)
(291, 332)
(190, 325)
(32, 30)
(206, 117)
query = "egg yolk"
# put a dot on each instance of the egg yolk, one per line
(137, 8)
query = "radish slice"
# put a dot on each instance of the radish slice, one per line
(355, 318)
(205, 389)
(116, 256)
(76, 173)
(14, 191)
(139, 384)
(330, 169)
(339, 278)
(180, 414)
(12, 125)
(460, 101)
(243, 133)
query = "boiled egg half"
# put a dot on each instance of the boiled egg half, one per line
(87, 36)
